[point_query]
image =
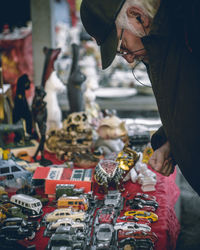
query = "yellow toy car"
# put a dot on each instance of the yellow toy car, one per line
(142, 214)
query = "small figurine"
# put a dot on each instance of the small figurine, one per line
(112, 172)
(112, 135)
(88, 160)
(92, 108)
(52, 86)
(141, 173)
(39, 111)
(112, 127)
(75, 87)
(21, 109)
(146, 177)
(75, 137)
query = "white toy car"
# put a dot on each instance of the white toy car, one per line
(132, 226)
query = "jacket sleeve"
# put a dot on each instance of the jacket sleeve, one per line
(158, 138)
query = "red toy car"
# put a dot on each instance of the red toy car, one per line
(133, 219)
(106, 215)
(122, 234)
(137, 240)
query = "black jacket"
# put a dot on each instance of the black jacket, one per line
(174, 69)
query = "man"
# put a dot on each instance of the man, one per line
(164, 35)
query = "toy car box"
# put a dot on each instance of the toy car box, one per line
(81, 178)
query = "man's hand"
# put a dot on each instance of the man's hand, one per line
(161, 161)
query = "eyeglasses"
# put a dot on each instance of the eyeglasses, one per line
(124, 52)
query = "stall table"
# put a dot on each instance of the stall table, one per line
(166, 228)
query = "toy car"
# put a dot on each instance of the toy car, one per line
(29, 205)
(9, 168)
(104, 236)
(15, 211)
(136, 244)
(132, 226)
(106, 215)
(123, 234)
(145, 196)
(24, 156)
(4, 198)
(33, 225)
(138, 203)
(76, 202)
(152, 217)
(113, 198)
(66, 222)
(70, 231)
(15, 232)
(68, 189)
(65, 213)
(60, 241)
(133, 219)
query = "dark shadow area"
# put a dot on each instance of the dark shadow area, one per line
(189, 238)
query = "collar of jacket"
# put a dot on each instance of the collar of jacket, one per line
(160, 24)
(169, 15)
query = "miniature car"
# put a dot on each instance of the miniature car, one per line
(15, 232)
(145, 196)
(4, 198)
(68, 189)
(137, 243)
(152, 217)
(60, 241)
(15, 211)
(76, 202)
(152, 203)
(65, 213)
(70, 231)
(132, 226)
(24, 156)
(138, 203)
(30, 206)
(113, 198)
(33, 225)
(66, 222)
(133, 219)
(123, 234)
(104, 236)
(9, 168)
(127, 218)
(106, 215)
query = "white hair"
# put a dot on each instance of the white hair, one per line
(149, 7)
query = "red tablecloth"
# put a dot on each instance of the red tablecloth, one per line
(166, 228)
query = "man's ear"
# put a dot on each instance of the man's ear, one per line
(138, 14)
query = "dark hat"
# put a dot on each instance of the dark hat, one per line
(98, 18)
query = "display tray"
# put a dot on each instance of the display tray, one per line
(115, 92)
